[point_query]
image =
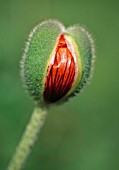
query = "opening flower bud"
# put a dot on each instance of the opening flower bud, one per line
(57, 62)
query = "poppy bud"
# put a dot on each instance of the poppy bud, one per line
(57, 62)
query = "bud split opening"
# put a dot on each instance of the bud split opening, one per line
(57, 62)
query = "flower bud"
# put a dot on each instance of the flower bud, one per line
(57, 62)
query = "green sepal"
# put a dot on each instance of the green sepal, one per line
(85, 47)
(42, 40)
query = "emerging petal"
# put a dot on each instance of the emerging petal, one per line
(60, 73)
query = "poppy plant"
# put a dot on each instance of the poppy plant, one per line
(56, 65)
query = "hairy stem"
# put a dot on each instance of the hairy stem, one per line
(28, 139)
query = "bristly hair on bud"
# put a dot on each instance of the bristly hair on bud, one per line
(57, 61)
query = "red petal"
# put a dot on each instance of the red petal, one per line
(60, 73)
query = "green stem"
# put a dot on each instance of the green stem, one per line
(28, 139)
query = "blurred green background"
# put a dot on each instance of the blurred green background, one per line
(82, 134)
